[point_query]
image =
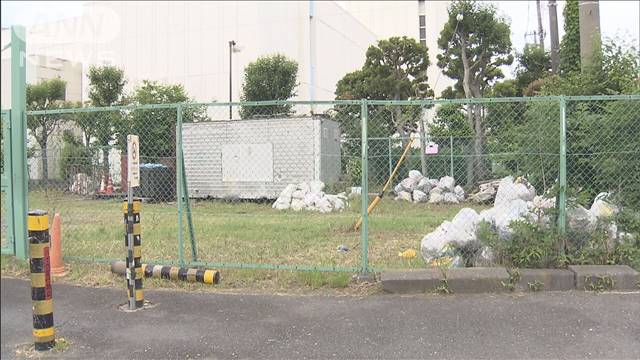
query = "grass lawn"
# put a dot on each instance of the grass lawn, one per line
(247, 232)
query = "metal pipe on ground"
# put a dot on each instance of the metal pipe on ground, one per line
(204, 276)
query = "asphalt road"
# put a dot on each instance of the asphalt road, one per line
(206, 325)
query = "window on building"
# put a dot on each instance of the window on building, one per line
(423, 29)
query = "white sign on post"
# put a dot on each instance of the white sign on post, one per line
(133, 160)
(431, 149)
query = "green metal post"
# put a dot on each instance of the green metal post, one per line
(192, 236)
(451, 155)
(390, 161)
(364, 229)
(562, 195)
(6, 181)
(180, 187)
(19, 141)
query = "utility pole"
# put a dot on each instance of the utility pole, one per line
(540, 28)
(553, 30)
(589, 15)
(231, 45)
(312, 53)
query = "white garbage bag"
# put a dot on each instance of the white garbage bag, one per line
(447, 183)
(420, 196)
(415, 174)
(409, 184)
(404, 195)
(316, 186)
(424, 185)
(459, 191)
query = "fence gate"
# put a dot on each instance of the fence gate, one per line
(6, 218)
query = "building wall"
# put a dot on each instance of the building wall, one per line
(39, 68)
(184, 43)
(187, 42)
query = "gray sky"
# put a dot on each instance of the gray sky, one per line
(618, 19)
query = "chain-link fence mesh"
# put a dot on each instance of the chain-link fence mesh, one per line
(82, 175)
(456, 155)
(269, 186)
(278, 184)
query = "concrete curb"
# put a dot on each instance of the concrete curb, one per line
(605, 277)
(497, 279)
(546, 279)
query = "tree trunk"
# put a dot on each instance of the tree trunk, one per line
(45, 161)
(474, 116)
(423, 142)
(470, 162)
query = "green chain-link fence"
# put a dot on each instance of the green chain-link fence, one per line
(277, 185)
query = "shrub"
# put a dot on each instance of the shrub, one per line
(538, 246)
(74, 157)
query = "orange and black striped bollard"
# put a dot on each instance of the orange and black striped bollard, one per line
(41, 293)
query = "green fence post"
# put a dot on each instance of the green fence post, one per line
(180, 187)
(364, 194)
(562, 194)
(450, 155)
(389, 152)
(19, 141)
(192, 236)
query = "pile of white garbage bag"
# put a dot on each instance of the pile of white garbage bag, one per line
(310, 196)
(514, 200)
(419, 189)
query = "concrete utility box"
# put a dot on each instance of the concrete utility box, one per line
(252, 159)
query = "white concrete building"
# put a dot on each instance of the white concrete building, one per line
(188, 42)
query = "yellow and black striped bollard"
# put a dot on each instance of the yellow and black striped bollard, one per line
(210, 277)
(133, 231)
(41, 294)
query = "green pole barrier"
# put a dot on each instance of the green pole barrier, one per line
(19, 174)
(364, 229)
(180, 187)
(562, 196)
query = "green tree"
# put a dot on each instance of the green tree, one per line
(615, 71)
(570, 43)
(106, 87)
(269, 78)
(394, 69)
(157, 127)
(533, 63)
(74, 157)
(46, 95)
(474, 47)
